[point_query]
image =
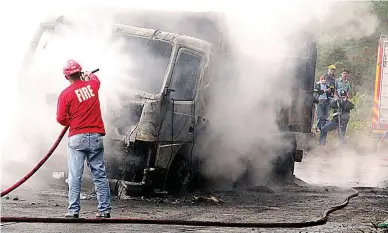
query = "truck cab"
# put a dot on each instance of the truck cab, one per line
(160, 126)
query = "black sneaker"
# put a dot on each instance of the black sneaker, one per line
(103, 215)
(72, 215)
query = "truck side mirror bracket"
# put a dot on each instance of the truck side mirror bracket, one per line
(167, 91)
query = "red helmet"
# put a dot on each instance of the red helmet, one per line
(71, 67)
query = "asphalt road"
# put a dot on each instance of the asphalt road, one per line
(291, 204)
(287, 204)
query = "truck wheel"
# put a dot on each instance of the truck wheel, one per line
(285, 167)
(285, 163)
(179, 175)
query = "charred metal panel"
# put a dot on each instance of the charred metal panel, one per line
(208, 26)
(166, 154)
(300, 112)
(148, 124)
(126, 116)
(181, 105)
(177, 122)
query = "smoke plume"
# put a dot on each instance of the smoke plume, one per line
(245, 106)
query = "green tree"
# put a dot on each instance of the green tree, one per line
(359, 57)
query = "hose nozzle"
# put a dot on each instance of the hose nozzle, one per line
(93, 71)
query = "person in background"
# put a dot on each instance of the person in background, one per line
(79, 107)
(330, 80)
(342, 108)
(342, 83)
(321, 94)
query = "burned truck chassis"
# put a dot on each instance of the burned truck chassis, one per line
(136, 173)
(160, 157)
(183, 171)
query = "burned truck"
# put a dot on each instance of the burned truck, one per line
(154, 136)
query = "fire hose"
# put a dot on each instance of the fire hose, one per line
(45, 158)
(36, 168)
(320, 221)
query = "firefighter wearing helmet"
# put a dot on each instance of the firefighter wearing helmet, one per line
(71, 67)
(79, 108)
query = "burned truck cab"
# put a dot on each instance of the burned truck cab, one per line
(151, 130)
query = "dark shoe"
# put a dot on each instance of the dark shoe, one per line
(72, 215)
(103, 215)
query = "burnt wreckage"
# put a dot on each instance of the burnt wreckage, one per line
(152, 139)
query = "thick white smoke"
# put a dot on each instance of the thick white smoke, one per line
(246, 118)
(259, 31)
(30, 118)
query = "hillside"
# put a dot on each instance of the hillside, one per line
(358, 55)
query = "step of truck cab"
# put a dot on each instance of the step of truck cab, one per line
(123, 188)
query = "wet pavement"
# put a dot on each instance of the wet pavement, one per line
(288, 204)
(347, 167)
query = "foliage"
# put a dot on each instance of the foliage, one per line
(380, 9)
(361, 64)
(361, 114)
(359, 57)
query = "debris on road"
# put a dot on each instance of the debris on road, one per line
(263, 189)
(209, 199)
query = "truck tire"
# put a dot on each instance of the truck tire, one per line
(179, 175)
(285, 163)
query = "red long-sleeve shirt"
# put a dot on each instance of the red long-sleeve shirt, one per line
(79, 107)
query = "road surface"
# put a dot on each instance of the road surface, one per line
(324, 173)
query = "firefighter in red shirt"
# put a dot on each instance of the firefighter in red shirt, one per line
(79, 107)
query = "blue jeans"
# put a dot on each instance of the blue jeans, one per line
(330, 127)
(322, 114)
(89, 146)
